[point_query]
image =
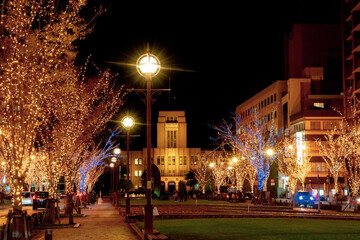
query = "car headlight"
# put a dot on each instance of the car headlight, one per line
(311, 198)
(301, 198)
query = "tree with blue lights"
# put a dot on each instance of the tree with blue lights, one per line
(256, 138)
(93, 158)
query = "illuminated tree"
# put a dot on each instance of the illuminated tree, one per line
(219, 168)
(257, 139)
(352, 161)
(251, 176)
(94, 157)
(37, 50)
(93, 176)
(202, 175)
(242, 168)
(333, 152)
(294, 162)
(82, 113)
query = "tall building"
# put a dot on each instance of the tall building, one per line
(351, 54)
(306, 99)
(172, 157)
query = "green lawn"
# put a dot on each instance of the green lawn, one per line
(142, 201)
(257, 228)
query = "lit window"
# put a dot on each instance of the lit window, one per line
(136, 161)
(140, 161)
(136, 173)
(140, 173)
(319, 105)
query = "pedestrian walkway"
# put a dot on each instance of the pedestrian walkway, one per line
(101, 222)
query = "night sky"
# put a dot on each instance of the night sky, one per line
(226, 53)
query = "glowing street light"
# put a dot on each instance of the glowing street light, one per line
(234, 160)
(111, 165)
(270, 152)
(148, 66)
(113, 159)
(128, 122)
(211, 165)
(117, 151)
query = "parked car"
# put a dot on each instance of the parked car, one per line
(40, 200)
(27, 198)
(305, 199)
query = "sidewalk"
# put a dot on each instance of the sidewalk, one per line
(101, 222)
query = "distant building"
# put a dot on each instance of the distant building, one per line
(351, 54)
(171, 156)
(305, 101)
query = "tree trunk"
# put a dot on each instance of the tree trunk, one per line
(17, 191)
(69, 204)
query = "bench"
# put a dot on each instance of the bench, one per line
(152, 236)
(131, 218)
(156, 236)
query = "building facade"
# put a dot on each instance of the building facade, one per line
(351, 55)
(308, 100)
(172, 157)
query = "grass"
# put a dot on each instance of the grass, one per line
(142, 201)
(257, 228)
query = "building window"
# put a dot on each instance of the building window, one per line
(140, 161)
(265, 102)
(173, 160)
(169, 160)
(319, 105)
(268, 101)
(136, 173)
(136, 161)
(271, 98)
(275, 97)
(184, 160)
(162, 159)
(181, 160)
(140, 173)
(158, 160)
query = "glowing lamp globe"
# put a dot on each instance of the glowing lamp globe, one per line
(113, 159)
(128, 122)
(270, 152)
(148, 64)
(117, 151)
(234, 159)
(212, 165)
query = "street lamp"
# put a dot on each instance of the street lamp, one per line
(128, 123)
(117, 152)
(148, 66)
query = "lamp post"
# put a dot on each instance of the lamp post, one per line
(128, 123)
(148, 66)
(117, 152)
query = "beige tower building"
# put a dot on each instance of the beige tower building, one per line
(172, 156)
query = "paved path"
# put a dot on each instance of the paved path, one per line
(101, 222)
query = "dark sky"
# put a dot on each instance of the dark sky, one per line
(232, 51)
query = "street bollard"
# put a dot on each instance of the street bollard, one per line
(71, 219)
(48, 234)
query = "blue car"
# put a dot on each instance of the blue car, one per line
(305, 199)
